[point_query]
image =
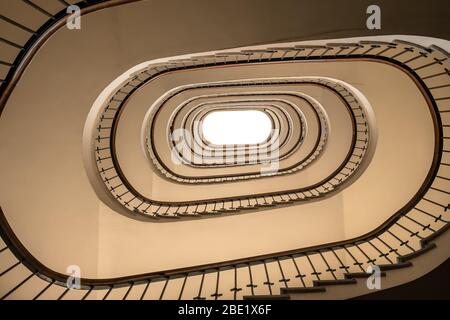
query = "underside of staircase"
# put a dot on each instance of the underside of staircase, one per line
(111, 188)
(354, 284)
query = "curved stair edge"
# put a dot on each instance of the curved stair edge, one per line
(408, 268)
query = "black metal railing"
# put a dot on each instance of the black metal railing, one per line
(117, 184)
(38, 25)
(290, 272)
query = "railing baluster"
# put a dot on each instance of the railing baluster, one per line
(402, 242)
(436, 219)
(17, 286)
(145, 290)
(329, 269)
(17, 24)
(426, 65)
(437, 189)
(382, 254)
(424, 227)
(400, 53)
(251, 285)
(299, 274)
(65, 3)
(267, 282)
(182, 286)
(128, 291)
(314, 273)
(436, 203)
(44, 289)
(108, 292)
(342, 266)
(38, 8)
(421, 55)
(199, 296)
(164, 288)
(434, 75)
(439, 87)
(87, 293)
(12, 44)
(216, 293)
(283, 279)
(387, 245)
(369, 259)
(63, 294)
(355, 261)
(235, 289)
(412, 234)
(10, 268)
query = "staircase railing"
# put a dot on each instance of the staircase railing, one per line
(19, 54)
(407, 234)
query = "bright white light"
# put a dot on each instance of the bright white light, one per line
(236, 127)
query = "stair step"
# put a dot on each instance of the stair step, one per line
(434, 235)
(393, 266)
(414, 254)
(302, 290)
(195, 215)
(224, 210)
(319, 283)
(351, 275)
(208, 213)
(167, 216)
(268, 297)
(252, 207)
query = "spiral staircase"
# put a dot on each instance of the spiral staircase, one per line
(110, 171)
